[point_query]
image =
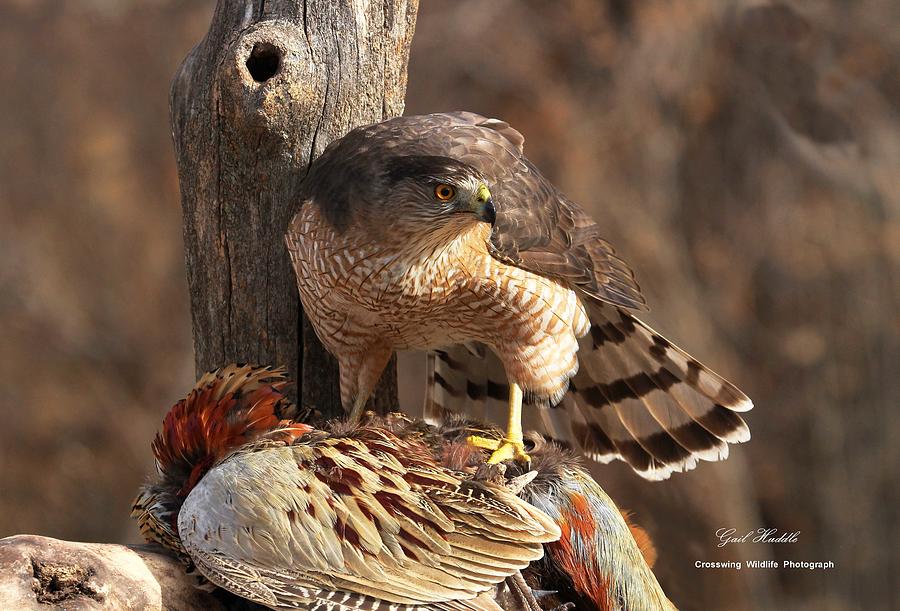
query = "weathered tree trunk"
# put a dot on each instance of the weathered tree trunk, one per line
(270, 85)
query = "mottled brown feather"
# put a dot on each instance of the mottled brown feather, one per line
(537, 228)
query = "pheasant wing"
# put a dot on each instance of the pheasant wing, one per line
(370, 517)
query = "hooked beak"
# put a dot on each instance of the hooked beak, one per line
(486, 211)
(482, 205)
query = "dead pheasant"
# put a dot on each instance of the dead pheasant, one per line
(346, 518)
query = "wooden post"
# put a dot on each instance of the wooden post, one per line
(271, 84)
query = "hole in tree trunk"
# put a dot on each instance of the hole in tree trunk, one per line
(264, 61)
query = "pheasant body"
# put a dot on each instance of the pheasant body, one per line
(292, 517)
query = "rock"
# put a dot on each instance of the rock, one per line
(42, 573)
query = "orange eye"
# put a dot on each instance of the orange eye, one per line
(444, 192)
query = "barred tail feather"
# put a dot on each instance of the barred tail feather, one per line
(636, 397)
(646, 401)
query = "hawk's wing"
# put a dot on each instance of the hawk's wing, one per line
(537, 227)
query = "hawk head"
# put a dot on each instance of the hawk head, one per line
(432, 189)
(380, 185)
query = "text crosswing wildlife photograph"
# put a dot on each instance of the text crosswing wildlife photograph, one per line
(454, 305)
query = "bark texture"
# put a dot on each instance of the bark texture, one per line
(270, 85)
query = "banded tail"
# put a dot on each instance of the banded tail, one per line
(636, 397)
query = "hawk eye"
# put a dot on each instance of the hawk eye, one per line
(444, 192)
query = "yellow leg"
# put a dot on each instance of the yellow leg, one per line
(510, 447)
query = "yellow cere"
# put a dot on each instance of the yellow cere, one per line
(484, 193)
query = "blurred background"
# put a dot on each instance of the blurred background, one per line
(744, 157)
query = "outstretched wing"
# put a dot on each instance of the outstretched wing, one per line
(537, 227)
(347, 519)
(636, 397)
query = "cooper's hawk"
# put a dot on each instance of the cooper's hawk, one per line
(436, 233)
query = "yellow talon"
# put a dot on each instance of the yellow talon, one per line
(509, 450)
(511, 446)
(485, 443)
(503, 449)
